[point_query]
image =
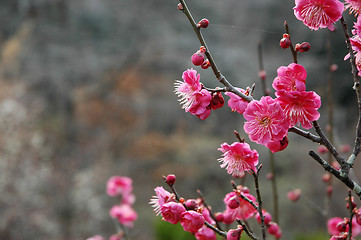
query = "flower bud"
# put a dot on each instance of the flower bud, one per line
(358, 216)
(217, 100)
(180, 6)
(203, 23)
(333, 68)
(170, 179)
(234, 234)
(219, 216)
(198, 58)
(285, 43)
(352, 203)
(273, 228)
(322, 149)
(233, 202)
(304, 47)
(191, 204)
(341, 226)
(294, 195)
(269, 176)
(262, 74)
(206, 64)
(326, 177)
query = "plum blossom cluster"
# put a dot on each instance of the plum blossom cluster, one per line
(123, 213)
(194, 98)
(196, 217)
(339, 227)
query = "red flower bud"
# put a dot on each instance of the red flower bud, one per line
(198, 58)
(170, 179)
(285, 43)
(217, 100)
(203, 23)
(206, 64)
(191, 204)
(233, 202)
(180, 6)
(304, 47)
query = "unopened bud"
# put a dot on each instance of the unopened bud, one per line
(333, 68)
(294, 195)
(353, 204)
(198, 58)
(273, 228)
(326, 177)
(203, 23)
(180, 6)
(170, 179)
(217, 100)
(206, 64)
(285, 43)
(262, 74)
(219, 216)
(304, 47)
(341, 226)
(191, 204)
(269, 176)
(233, 202)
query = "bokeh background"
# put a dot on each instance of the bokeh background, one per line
(86, 92)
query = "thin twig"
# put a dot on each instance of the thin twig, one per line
(214, 67)
(209, 209)
(356, 87)
(246, 230)
(351, 215)
(305, 134)
(259, 200)
(345, 179)
(294, 53)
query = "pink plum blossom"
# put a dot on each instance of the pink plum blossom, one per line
(290, 78)
(300, 107)
(294, 195)
(189, 86)
(118, 185)
(266, 121)
(205, 234)
(200, 104)
(162, 196)
(354, 6)
(124, 213)
(318, 13)
(207, 216)
(238, 158)
(236, 103)
(172, 211)
(192, 221)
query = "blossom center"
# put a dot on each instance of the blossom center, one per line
(265, 121)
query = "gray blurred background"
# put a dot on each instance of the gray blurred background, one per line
(86, 92)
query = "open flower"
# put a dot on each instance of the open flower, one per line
(188, 87)
(118, 185)
(266, 121)
(206, 233)
(290, 78)
(124, 213)
(236, 103)
(192, 221)
(238, 158)
(300, 107)
(354, 6)
(162, 197)
(318, 13)
(172, 211)
(200, 104)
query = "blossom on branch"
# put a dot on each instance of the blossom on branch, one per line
(205, 234)
(318, 13)
(118, 185)
(354, 6)
(238, 158)
(236, 103)
(266, 121)
(300, 107)
(124, 213)
(192, 221)
(172, 211)
(200, 104)
(162, 197)
(290, 78)
(244, 211)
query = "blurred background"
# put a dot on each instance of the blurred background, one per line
(86, 92)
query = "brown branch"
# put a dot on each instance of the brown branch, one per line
(259, 200)
(214, 67)
(356, 87)
(338, 174)
(305, 134)
(294, 53)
